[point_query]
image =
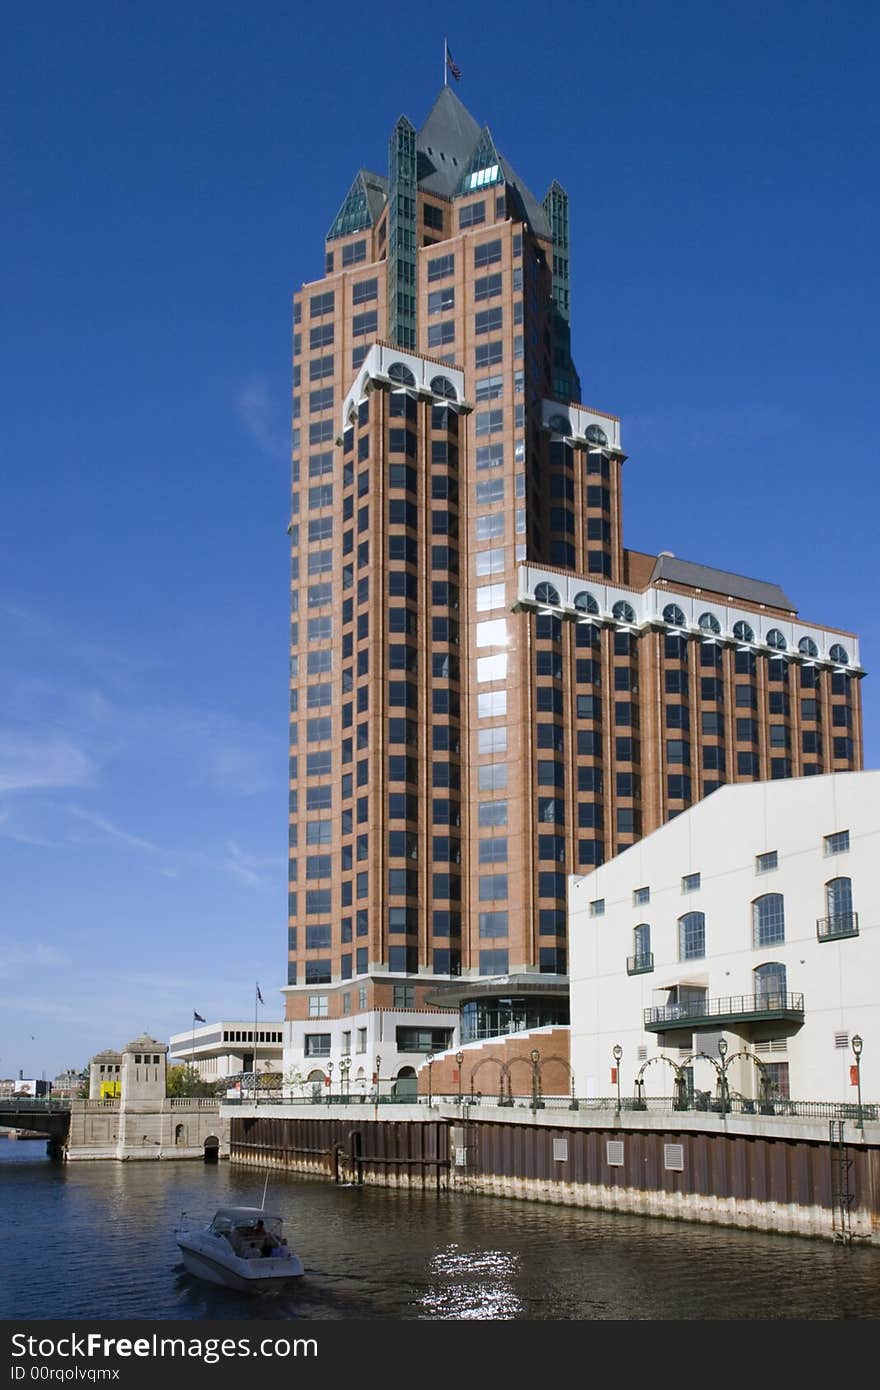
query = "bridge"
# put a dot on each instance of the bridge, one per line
(47, 1115)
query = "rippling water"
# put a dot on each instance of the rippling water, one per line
(96, 1240)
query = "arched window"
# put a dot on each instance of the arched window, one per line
(692, 936)
(770, 985)
(398, 372)
(768, 920)
(673, 614)
(442, 386)
(584, 602)
(642, 942)
(595, 435)
(545, 593)
(807, 647)
(560, 424)
(838, 901)
(839, 654)
(624, 612)
(776, 640)
(709, 623)
(742, 632)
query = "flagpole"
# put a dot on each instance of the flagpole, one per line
(256, 1005)
(192, 1051)
(445, 63)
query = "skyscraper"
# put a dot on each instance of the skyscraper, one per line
(488, 691)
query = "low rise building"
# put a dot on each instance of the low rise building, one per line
(227, 1048)
(737, 946)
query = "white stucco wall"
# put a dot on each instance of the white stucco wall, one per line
(719, 838)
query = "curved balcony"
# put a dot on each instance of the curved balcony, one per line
(838, 927)
(732, 1009)
(640, 965)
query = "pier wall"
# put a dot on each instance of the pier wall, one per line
(111, 1129)
(758, 1174)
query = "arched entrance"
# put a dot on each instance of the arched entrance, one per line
(212, 1149)
(180, 1135)
(316, 1085)
(406, 1084)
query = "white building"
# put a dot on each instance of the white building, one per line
(227, 1048)
(753, 916)
(349, 1052)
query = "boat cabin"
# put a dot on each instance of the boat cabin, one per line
(251, 1232)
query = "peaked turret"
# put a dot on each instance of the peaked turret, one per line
(362, 206)
(445, 144)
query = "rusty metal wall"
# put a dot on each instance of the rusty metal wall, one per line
(394, 1153)
(515, 1157)
(757, 1169)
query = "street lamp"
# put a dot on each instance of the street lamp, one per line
(857, 1046)
(535, 1057)
(722, 1053)
(378, 1074)
(430, 1060)
(459, 1057)
(344, 1069)
(617, 1053)
(329, 1083)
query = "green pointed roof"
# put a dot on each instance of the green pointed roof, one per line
(484, 160)
(362, 206)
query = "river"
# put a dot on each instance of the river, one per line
(95, 1240)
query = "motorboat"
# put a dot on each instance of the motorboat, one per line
(243, 1248)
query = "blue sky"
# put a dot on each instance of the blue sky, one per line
(168, 174)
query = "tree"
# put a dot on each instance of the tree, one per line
(184, 1081)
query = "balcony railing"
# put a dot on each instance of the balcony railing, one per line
(739, 1008)
(640, 965)
(836, 928)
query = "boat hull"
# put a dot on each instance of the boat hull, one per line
(230, 1271)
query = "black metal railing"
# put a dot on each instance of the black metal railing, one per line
(640, 965)
(735, 1007)
(836, 928)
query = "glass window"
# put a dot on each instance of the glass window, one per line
(492, 632)
(690, 883)
(440, 334)
(440, 267)
(439, 301)
(597, 907)
(764, 863)
(641, 895)
(487, 253)
(472, 214)
(837, 843)
(768, 919)
(692, 936)
(839, 899)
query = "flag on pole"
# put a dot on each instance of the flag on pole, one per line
(259, 995)
(197, 1018)
(452, 65)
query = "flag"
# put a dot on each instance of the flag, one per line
(259, 995)
(452, 65)
(197, 1018)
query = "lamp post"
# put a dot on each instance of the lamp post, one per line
(857, 1046)
(617, 1053)
(722, 1053)
(459, 1057)
(378, 1074)
(535, 1058)
(344, 1069)
(430, 1060)
(329, 1083)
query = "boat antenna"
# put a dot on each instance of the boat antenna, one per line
(265, 1190)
